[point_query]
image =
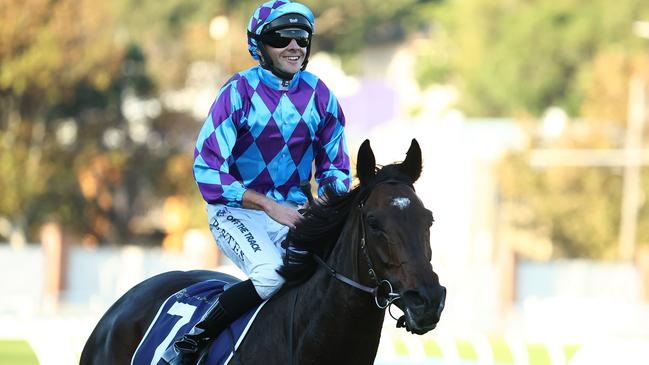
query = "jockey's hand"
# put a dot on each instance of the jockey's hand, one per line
(278, 212)
(283, 214)
(316, 201)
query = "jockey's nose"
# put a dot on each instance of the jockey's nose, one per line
(293, 45)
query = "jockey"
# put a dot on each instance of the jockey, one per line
(268, 126)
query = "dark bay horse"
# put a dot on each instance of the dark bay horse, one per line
(371, 248)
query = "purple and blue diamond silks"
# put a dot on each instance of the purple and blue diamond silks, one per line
(264, 136)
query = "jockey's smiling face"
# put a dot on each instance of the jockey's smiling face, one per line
(288, 59)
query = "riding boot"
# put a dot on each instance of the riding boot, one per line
(231, 304)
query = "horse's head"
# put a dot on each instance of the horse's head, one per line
(397, 236)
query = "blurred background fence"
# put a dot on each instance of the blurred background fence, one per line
(560, 310)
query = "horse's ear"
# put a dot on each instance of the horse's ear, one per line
(365, 163)
(412, 165)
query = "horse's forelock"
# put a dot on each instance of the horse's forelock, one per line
(391, 172)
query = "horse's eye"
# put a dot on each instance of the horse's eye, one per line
(373, 223)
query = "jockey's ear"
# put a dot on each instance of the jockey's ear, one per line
(412, 165)
(365, 163)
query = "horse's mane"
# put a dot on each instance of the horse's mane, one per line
(324, 220)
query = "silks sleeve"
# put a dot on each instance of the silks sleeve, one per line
(213, 152)
(331, 156)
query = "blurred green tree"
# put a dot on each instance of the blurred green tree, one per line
(174, 33)
(67, 69)
(512, 57)
(49, 51)
(517, 58)
(578, 208)
(67, 152)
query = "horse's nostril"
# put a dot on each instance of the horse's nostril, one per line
(413, 298)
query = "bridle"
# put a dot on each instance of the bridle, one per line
(380, 301)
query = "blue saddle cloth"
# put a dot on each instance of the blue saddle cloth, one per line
(179, 313)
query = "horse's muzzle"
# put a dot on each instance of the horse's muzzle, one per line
(422, 309)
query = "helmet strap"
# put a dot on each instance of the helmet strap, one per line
(266, 62)
(306, 57)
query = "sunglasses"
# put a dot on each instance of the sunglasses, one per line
(282, 37)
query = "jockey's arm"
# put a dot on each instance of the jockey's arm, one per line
(278, 212)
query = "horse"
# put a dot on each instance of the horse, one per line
(370, 249)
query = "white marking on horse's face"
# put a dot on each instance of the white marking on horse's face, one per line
(400, 202)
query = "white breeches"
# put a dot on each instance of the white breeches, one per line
(252, 240)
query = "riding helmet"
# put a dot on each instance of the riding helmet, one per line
(274, 15)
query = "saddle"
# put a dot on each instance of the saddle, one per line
(180, 312)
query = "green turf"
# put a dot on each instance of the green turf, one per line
(400, 347)
(501, 351)
(570, 350)
(538, 354)
(16, 352)
(466, 351)
(502, 354)
(431, 348)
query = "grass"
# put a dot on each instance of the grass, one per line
(432, 349)
(466, 351)
(501, 351)
(502, 354)
(570, 350)
(16, 352)
(538, 354)
(400, 347)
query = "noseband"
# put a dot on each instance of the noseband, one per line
(381, 302)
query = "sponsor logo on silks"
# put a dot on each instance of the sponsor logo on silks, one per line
(252, 242)
(246, 233)
(237, 251)
(227, 238)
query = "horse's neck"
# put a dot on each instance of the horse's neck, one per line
(335, 315)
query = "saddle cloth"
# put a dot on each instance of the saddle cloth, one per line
(179, 313)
